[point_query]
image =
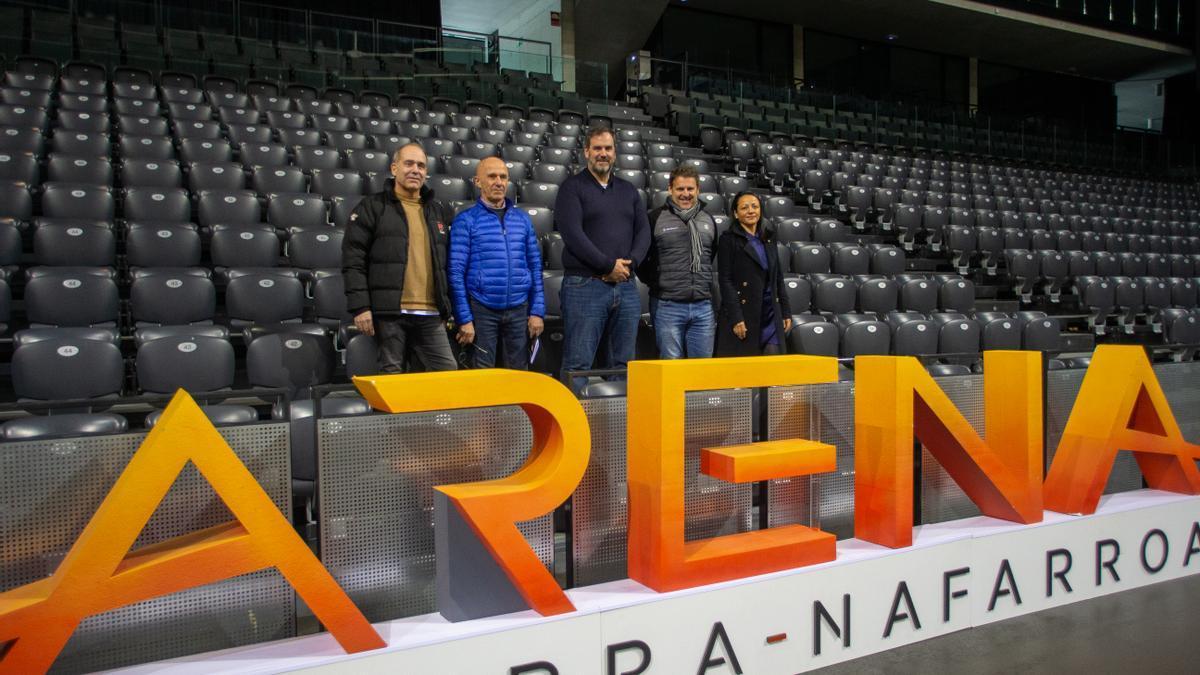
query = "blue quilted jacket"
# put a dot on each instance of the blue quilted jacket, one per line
(498, 265)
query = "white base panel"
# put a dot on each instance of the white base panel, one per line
(678, 627)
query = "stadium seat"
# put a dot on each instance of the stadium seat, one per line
(293, 361)
(71, 297)
(67, 368)
(237, 207)
(264, 298)
(243, 246)
(313, 249)
(78, 202)
(172, 297)
(539, 194)
(80, 244)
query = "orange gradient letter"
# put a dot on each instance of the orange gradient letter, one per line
(100, 573)
(1120, 406)
(485, 566)
(895, 396)
(658, 555)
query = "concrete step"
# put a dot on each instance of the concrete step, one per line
(923, 265)
(992, 305)
(1078, 342)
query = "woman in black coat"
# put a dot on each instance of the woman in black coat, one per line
(754, 316)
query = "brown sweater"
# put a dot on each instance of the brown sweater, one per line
(418, 275)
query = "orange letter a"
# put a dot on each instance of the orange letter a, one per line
(100, 573)
(1120, 406)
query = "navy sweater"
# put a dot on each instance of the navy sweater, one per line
(600, 225)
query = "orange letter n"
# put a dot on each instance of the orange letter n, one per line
(100, 573)
(1120, 406)
(894, 396)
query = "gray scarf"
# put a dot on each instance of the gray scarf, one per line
(686, 215)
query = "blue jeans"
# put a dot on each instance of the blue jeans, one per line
(683, 324)
(600, 322)
(505, 329)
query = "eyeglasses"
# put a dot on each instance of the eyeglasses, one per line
(467, 355)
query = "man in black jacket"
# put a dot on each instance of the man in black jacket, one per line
(679, 270)
(394, 268)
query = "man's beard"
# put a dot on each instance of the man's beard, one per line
(602, 170)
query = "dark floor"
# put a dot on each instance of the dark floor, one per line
(1155, 629)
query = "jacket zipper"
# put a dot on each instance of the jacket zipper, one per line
(431, 228)
(507, 267)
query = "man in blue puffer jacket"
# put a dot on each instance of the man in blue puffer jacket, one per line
(495, 273)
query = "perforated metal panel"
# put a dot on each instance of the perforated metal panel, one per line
(829, 410)
(1062, 388)
(1179, 383)
(599, 507)
(49, 490)
(712, 507)
(376, 497)
(791, 500)
(941, 498)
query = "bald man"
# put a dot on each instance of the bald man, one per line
(495, 274)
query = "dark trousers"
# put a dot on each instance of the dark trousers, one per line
(404, 336)
(600, 323)
(499, 330)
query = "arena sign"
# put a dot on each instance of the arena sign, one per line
(486, 568)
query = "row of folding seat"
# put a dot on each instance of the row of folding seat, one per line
(873, 196)
(261, 94)
(873, 202)
(1003, 172)
(878, 294)
(179, 245)
(150, 187)
(791, 161)
(936, 222)
(195, 104)
(906, 165)
(978, 231)
(211, 143)
(173, 205)
(88, 365)
(236, 237)
(89, 297)
(960, 336)
(151, 161)
(319, 169)
(248, 126)
(715, 133)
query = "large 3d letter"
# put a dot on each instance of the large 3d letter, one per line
(658, 555)
(895, 396)
(100, 573)
(484, 565)
(1120, 407)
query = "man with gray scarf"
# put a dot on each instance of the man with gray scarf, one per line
(679, 270)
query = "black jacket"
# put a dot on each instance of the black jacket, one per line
(375, 252)
(668, 266)
(742, 281)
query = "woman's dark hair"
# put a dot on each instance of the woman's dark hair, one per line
(764, 231)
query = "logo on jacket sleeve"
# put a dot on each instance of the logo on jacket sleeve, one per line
(441, 227)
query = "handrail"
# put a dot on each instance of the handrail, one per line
(149, 402)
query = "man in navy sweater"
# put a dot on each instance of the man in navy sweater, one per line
(605, 235)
